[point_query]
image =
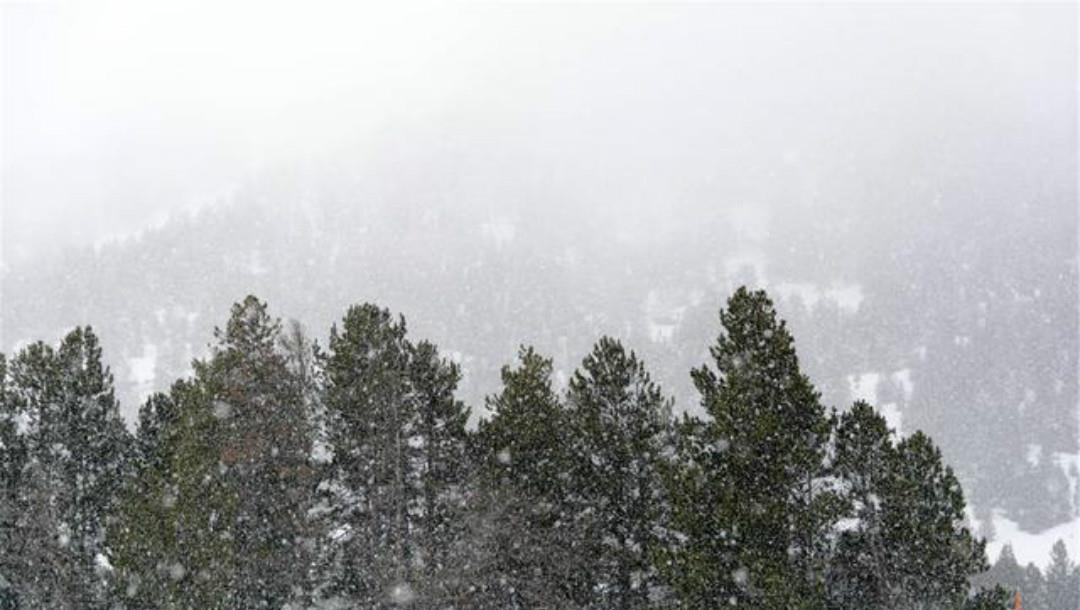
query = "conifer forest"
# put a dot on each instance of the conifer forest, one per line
(529, 305)
(288, 472)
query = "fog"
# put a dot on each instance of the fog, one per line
(901, 178)
(119, 114)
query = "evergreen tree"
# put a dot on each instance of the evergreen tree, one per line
(75, 455)
(172, 538)
(367, 400)
(1006, 571)
(441, 470)
(12, 465)
(1034, 589)
(764, 479)
(216, 515)
(398, 440)
(704, 546)
(523, 539)
(934, 554)
(522, 444)
(861, 570)
(908, 547)
(267, 442)
(996, 598)
(620, 424)
(1062, 580)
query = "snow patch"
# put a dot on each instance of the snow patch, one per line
(663, 315)
(1069, 463)
(902, 379)
(1032, 547)
(402, 594)
(142, 371)
(1034, 454)
(864, 387)
(893, 417)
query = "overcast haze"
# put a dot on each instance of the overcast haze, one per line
(901, 178)
(116, 114)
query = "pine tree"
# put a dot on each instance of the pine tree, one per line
(216, 515)
(76, 451)
(171, 540)
(522, 443)
(861, 570)
(12, 465)
(620, 424)
(996, 598)
(399, 444)
(1062, 580)
(908, 546)
(703, 545)
(764, 477)
(934, 554)
(1034, 588)
(1006, 571)
(441, 471)
(522, 539)
(268, 434)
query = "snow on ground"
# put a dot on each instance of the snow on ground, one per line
(142, 370)
(893, 417)
(864, 387)
(1070, 465)
(1032, 547)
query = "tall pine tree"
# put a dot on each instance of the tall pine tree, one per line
(216, 515)
(523, 541)
(1062, 580)
(763, 487)
(620, 423)
(908, 545)
(933, 553)
(399, 444)
(75, 456)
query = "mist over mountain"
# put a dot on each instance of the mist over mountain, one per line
(913, 211)
(958, 319)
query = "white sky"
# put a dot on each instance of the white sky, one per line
(116, 113)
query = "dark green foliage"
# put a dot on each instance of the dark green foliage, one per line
(619, 421)
(924, 519)
(171, 540)
(280, 476)
(66, 470)
(996, 598)
(524, 544)
(522, 444)
(399, 458)
(515, 554)
(12, 464)
(909, 546)
(216, 515)
(705, 548)
(764, 464)
(861, 569)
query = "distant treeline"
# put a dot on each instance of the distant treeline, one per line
(288, 474)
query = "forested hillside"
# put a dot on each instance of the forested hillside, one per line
(959, 319)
